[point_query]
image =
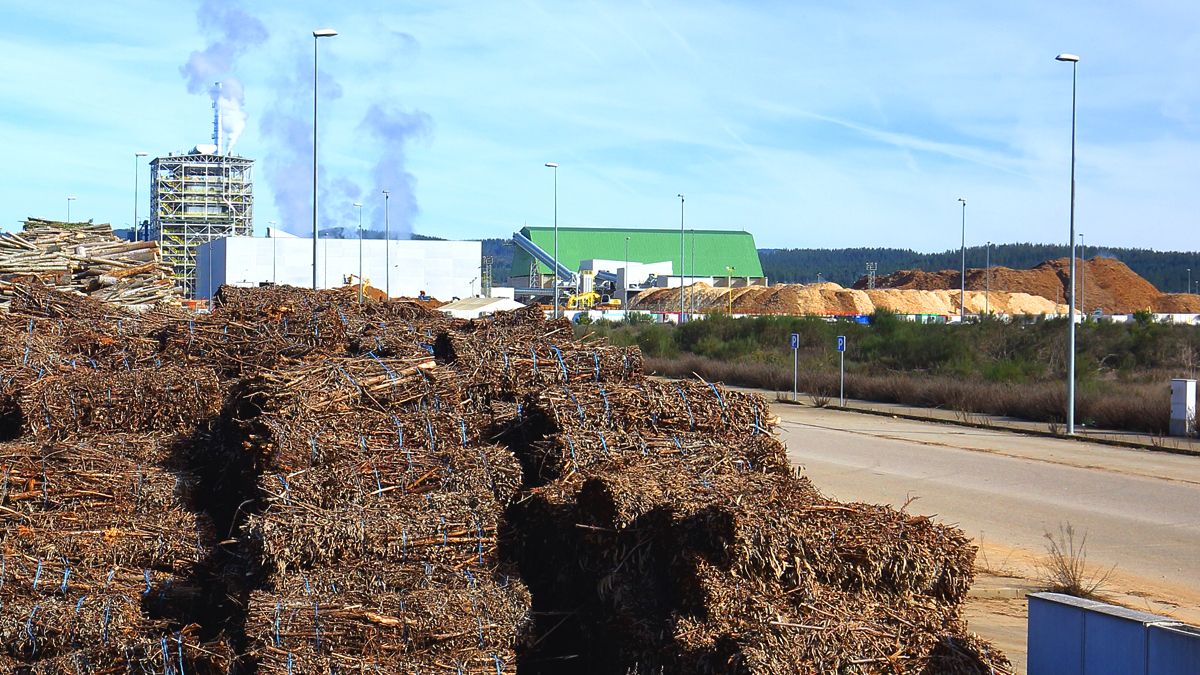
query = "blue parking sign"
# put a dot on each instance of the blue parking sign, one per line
(841, 343)
(795, 341)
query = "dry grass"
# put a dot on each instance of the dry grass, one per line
(1125, 406)
(1065, 569)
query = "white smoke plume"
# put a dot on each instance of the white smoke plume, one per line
(384, 132)
(232, 32)
(391, 130)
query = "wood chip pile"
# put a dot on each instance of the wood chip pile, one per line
(87, 259)
(296, 483)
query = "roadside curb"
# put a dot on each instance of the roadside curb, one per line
(995, 427)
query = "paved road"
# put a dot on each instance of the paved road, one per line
(1141, 510)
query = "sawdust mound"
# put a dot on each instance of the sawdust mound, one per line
(830, 299)
(1102, 283)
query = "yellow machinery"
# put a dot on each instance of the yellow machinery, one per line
(589, 300)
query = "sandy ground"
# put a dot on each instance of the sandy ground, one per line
(1141, 511)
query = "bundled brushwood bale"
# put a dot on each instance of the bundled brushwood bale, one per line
(693, 573)
(178, 651)
(366, 619)
(73, 401)
(748, 631)
(520, 353)
(409, 524)
(122, 473)
(552, 456)
(674, 408)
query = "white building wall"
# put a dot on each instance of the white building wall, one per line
(443, 269)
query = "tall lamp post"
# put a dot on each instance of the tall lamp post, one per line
(69, 200)
(358, 205)
(387, 247)
(317, 35)
(681, 259)
(1074, 61)
(1189, 285)
(625, 278)
(729, 270)
(962, 293)
(554, 272)
(274, 267)
(136, 155)
(987, 280)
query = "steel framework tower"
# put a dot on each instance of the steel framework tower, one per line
(197, 197)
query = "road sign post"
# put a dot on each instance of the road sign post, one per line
(841, 347)
(795, 364)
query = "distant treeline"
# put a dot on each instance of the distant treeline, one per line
(1165, 269)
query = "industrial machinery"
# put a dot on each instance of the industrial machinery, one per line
(582, 289)
(591, 299)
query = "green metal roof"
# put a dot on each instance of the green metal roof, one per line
(714, 250)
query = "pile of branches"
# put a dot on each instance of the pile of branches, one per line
(86, 259)
(299, 483)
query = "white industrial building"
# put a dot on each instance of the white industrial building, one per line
(442, 269)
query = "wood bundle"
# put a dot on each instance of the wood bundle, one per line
(85, 400)
(86, 259)
(520, 354)
(433, 618)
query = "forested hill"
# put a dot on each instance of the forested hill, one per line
(1165, 269)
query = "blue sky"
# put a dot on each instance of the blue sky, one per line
(808, 125)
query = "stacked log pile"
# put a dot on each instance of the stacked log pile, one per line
(297, 483)
(86, 258)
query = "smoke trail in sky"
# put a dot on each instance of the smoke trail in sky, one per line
(231, 32)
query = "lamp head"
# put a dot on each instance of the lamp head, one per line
(552, 165)
(139, 154)
(324, 32)
(386, 193)
(1067, 57)
(964, 202)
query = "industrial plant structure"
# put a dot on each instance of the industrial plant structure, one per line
(401, 268)
(626, 261)
(197, 197)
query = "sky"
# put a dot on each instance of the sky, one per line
(806, 124)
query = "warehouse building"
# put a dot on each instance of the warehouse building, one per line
(403, 268)
(708, 254)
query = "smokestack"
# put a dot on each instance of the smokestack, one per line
(217, 130)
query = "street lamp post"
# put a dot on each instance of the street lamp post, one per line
(387, 247)
(1189, 284)
(681, 259)
(317, 35)
(554, 272)
(962, 293)
(358, 206)
(987, 280)
(1074, 61)
(274, 267)
(729, 282)
(135, 193)
(69, 200)
(625, 279)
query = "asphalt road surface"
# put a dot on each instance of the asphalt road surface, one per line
(1140, 510)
